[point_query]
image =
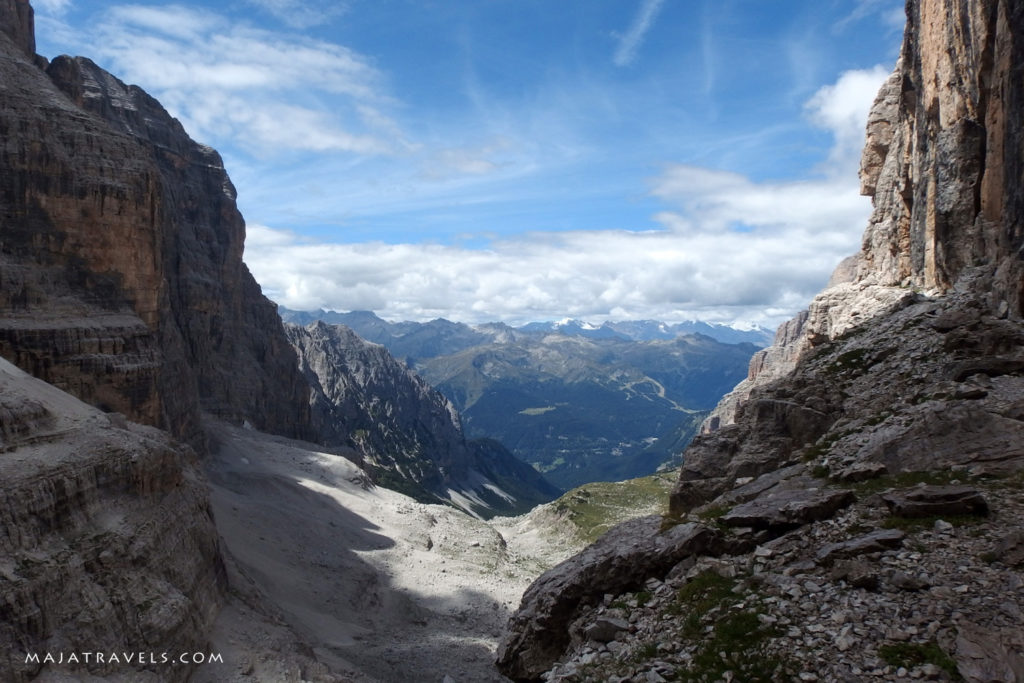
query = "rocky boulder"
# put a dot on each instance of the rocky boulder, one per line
(623, 559)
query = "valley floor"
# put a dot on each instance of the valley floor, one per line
(379, 586)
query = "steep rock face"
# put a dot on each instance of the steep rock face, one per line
(944, 155)
(73, 325)
(104, 192)
(408, 434)
(942, 161)
(108, 543)
(231, 334)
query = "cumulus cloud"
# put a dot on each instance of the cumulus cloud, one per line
(842, 108)
(631, 41)
(270, 91)
(725, 248)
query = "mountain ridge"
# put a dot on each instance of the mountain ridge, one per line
(408, 436)
(371, 327)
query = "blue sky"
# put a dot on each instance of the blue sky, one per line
(521, 159)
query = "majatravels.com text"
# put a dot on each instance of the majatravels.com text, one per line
(136, 658)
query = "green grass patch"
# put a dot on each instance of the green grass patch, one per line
(595, 508)
(855, 360)
(736, 643)
(912, 655)
(877, 419)
(731, 638)
(824, 445)
(821, 472)
(710, 514)
(646, 652)
(708, 590)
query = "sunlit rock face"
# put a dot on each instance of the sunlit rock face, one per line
(943, 164)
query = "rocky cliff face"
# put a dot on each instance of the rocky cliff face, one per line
(409, 436)
(114, 218)
(18, 23)
(885, 416)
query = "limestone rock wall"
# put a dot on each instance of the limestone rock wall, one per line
(17, 20)
(108, 209)
(944, 153)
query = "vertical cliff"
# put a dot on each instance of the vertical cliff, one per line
(130, 218)
(943, 163)
(944, 153)
(121, 282)
(17, 20)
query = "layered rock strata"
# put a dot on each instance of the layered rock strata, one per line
(107, 543)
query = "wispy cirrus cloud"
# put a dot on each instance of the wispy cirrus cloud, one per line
(269, 91)
(302, 14)
(633, 38)
(891, 12)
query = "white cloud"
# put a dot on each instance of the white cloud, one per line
(842, 108)
(728, 249)
(268, 91)
(631, 41)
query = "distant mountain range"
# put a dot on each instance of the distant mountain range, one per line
(651, 330)
(579, 402)
(442, 337)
